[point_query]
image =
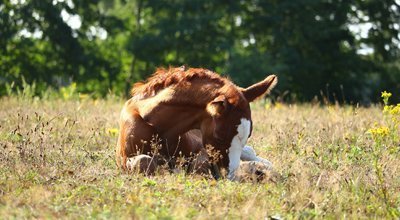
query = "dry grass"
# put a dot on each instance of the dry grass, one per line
(57, 161)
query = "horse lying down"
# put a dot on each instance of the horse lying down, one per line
(181, 112)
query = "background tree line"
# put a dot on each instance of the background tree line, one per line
(346, 50)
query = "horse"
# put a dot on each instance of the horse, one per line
(187, 110)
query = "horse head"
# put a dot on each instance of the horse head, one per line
(229, 124)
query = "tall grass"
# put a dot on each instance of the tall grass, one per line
(57, 161)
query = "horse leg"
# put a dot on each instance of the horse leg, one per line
(249, 154)
(135, 137)
(200, 163)
(191, 145)
(143, 164)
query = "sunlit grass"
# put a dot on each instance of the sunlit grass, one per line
(57, 161)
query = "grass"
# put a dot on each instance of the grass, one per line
(57, 161)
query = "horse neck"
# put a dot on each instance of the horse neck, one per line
(175, 110)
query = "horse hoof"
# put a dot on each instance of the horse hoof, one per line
(142, 163)
(256, 171)
(267, 163)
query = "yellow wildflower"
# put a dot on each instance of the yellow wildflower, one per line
(112, 131)
(379, 131)
(278, 105)
(68, 91)
(395, 110)
(387, 108)
(385, 96)
(267, 105)
(83, 96)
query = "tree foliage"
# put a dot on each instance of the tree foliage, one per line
(344, 50)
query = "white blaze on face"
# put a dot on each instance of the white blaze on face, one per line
(237, 144)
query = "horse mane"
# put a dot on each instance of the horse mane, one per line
(163, 78)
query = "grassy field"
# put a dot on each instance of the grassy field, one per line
(57, 161)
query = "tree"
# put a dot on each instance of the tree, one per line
(312, 45)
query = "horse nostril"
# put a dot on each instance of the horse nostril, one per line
(259, 175)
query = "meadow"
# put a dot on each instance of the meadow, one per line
(57, 161)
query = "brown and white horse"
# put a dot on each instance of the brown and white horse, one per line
(175, 101)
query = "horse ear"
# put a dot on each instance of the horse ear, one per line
(259, 89)
(217, 106)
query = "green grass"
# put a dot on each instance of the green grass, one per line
(57, 161)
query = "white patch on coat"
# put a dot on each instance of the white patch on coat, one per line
(249, 154)
(125, 115)
(237, 144)
(147, 105)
